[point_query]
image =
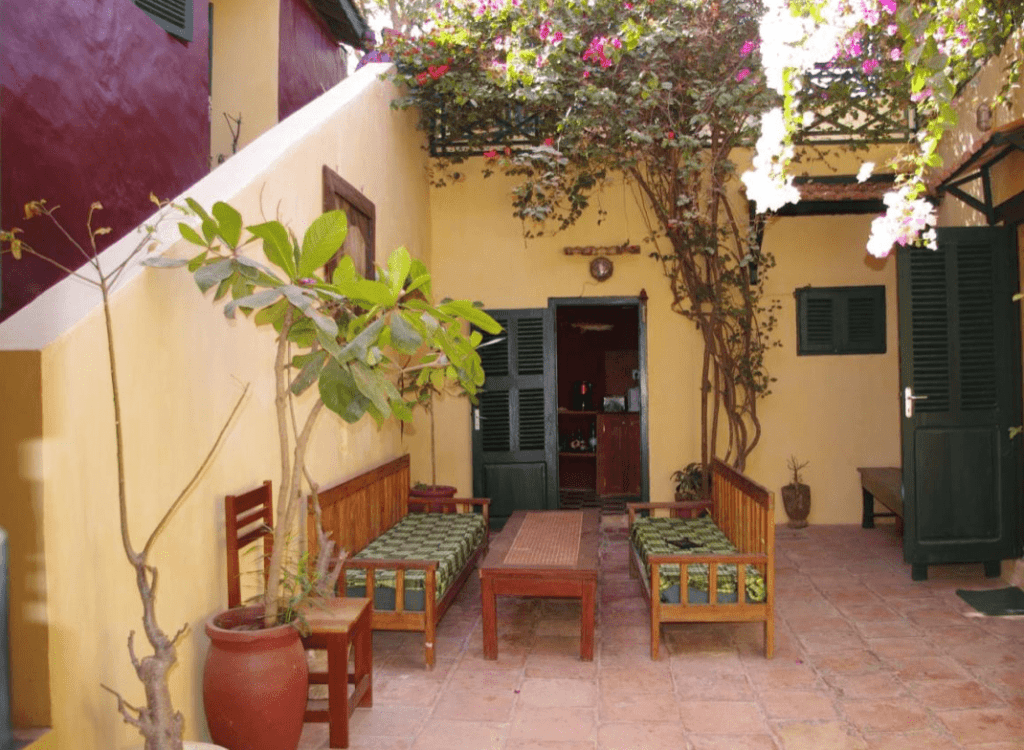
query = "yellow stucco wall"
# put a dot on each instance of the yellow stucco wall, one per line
(837, 412)
(21, 515)
(182, 365)
(246, 39)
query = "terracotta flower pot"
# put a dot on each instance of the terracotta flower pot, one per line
(796, 498)
(254, 682)
(434, 491)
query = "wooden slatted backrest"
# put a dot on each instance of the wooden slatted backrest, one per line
(356, 512)
(743, 509)
(247, 518)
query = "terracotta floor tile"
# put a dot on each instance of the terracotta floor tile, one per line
(728, 687)
(892, 715)
(446, 735)
(636, 735)
(976, 726)
(818, 736)
(879, 684)
(557, 692)
(798, 704)
(649, 707)
(553, 724)
(951, 694)
(478, 705)
(916, 668)
(733, 742)
(388, 721)
(846, 662)
(926, 740)
(722, 717)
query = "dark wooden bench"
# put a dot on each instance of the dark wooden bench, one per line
(884, 484)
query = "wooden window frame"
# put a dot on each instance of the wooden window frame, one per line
(361, 212)
(840, 341)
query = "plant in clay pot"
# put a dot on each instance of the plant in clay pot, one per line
(796, 496)
(690, 484)
(343, 343)
(160, 725)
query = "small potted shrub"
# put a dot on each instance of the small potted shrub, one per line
(796, 496)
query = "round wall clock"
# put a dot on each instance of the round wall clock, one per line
(601, 268)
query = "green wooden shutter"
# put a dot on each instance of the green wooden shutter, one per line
(173, 16)
(841, 320)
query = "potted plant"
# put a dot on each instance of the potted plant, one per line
(689, 482)
(424, 388)
(353, 338)
(160, 725)
(796, 496)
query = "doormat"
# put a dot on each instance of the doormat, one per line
(995, 602)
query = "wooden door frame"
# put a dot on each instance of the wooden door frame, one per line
(551, 385)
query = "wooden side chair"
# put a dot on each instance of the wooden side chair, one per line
(334, 623)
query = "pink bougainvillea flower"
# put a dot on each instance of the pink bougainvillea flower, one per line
(889, 5)
(628, 6)
(920, 96)
(557, 37)
(896, 54)
(742, 74)
(617, 43)
(549, 142)
(748, 47)
(869, 65)
(436, 71)
(422, 78)
(670, 134)
(490, 154)
(586, 74)
(544, 31)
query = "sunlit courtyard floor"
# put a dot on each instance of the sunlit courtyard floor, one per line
(865, 658)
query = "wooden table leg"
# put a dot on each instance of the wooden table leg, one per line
(489, 617)
(337, 688)
(587, 599)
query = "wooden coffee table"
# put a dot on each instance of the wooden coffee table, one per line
(543, 553)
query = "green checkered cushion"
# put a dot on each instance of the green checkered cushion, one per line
(449, 538)
(652, 536)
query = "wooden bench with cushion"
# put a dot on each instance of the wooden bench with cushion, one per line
(694, 568)
(411, 564)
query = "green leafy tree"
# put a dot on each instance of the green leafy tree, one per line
(353, 338)
(659, 92)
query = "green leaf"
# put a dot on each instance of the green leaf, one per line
(230, 223)
(254, 301)
(210, 275)
(359, 346)
(369, 382)
(197, 262)
(190, 234)
(197, 209)
(322, 240)
(399, 263)
(157, 262)
(404, 336)
(271, 314)
(371, 292)
(276, 245)
(309, 373)
(466, 310)
(339, 393)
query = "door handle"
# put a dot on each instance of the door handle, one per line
(476, 419)
(908, 401)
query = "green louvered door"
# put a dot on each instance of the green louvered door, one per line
(959, 397)
(512, 427)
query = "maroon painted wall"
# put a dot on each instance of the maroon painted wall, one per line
(97, 103)
(310, 59)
